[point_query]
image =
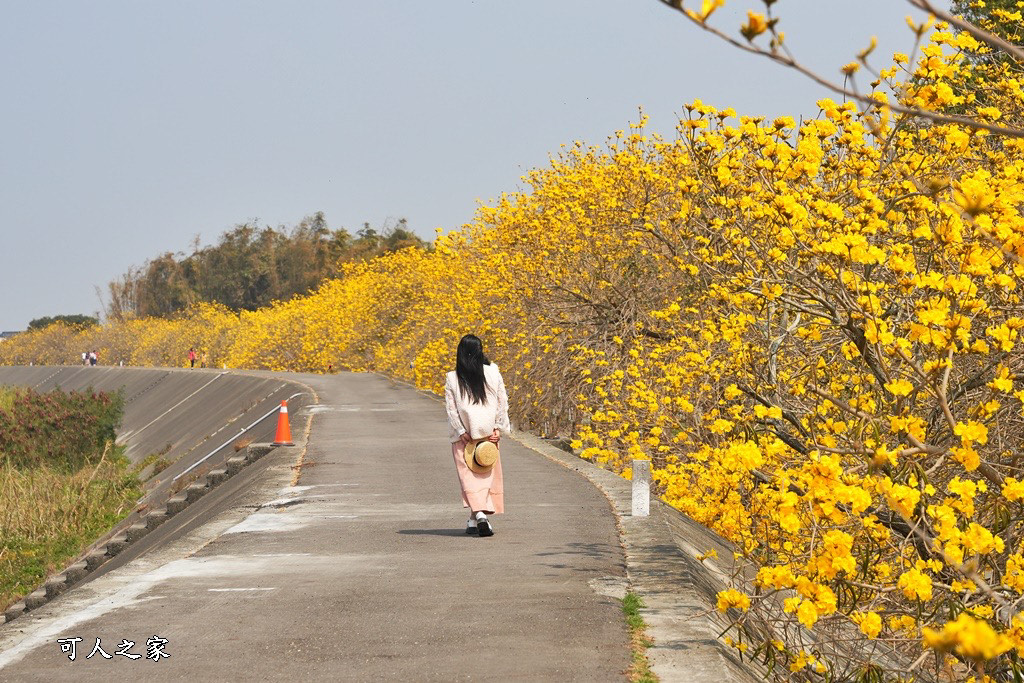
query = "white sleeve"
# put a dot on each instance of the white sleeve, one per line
(454, 421)
(501, 419)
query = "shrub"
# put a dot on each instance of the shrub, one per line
(63, 431)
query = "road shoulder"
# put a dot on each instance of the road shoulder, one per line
(664, 568)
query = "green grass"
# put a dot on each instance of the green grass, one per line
(49, 516)
(63, 482)
(639, 670)
(6, 398)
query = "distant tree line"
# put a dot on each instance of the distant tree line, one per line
(249, 267)
(78, 320)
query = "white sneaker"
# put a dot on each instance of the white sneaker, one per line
(470, 526)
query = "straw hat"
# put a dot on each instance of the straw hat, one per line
(481, 456)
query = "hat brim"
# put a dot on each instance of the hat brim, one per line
(470, 456)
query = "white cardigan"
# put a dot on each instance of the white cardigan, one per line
(479, 419)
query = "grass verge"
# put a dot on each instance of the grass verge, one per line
(62, 481)
(48, 517)
(639, 669)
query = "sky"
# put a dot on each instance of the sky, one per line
(128, 128)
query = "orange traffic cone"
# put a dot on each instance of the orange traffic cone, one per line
(284, 432)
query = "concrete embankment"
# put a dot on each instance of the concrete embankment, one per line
(175, 413)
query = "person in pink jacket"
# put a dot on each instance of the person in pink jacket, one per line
(477, 405)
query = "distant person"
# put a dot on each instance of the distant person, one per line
(192, 358)
(477, 405)
(93, 358)
(85, 357)
(204, 359)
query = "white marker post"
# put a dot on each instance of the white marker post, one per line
(641, 488)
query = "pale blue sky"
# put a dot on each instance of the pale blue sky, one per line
(129, 127)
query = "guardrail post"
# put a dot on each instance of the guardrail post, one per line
(641, 488)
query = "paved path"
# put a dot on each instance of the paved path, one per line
(362, 572)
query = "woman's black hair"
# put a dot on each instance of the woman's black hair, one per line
(469, 368)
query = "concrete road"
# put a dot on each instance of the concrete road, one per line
(361, 572)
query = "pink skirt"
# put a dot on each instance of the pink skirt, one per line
(480, 492)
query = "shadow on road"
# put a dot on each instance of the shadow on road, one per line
(433, 532)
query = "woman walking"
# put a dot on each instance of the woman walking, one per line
(474, 395)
